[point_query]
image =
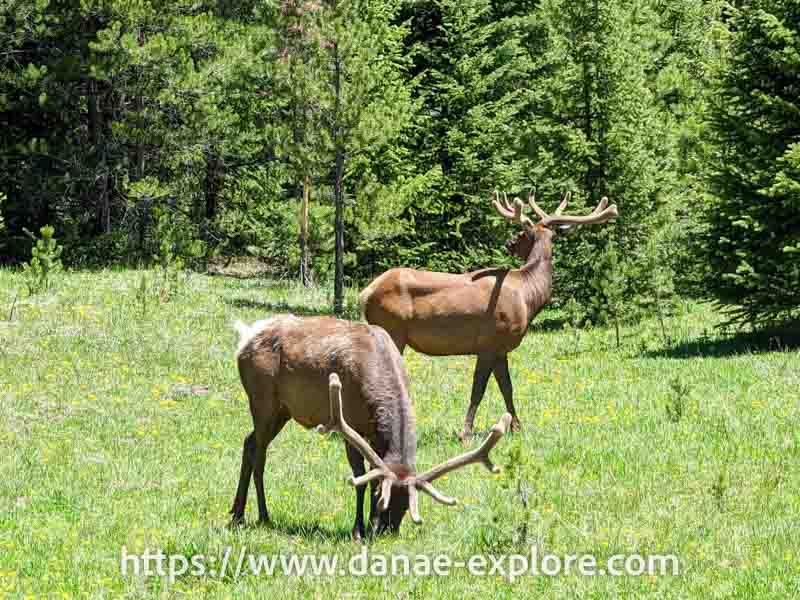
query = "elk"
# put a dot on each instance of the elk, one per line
(336, 375)
(485, 312)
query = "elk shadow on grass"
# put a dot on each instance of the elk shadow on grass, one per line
(311, 529)
(745, 342)
(306, 529)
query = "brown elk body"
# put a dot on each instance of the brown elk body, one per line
(331, 374)
(485, 312)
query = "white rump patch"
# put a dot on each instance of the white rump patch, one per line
(248, 332)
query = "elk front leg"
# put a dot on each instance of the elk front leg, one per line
(239, 503)
(503, 378)
(483, 369)
(357, 465)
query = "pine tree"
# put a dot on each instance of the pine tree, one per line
(366, 102)
(753, 241)
(298, 79)
(596, 130)
(472, 70)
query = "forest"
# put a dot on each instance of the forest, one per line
(334, 139)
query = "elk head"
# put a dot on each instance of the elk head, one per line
(405, 481)
(532, 233)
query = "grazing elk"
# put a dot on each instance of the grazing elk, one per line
(338, 375)
(484, 312)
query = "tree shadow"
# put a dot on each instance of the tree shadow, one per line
(238, 268)
(754, 342)
(280, 307)
(259, 276)
(546, 325)
(302, 310)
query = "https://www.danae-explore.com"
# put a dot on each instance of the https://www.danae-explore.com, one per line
(536, 563)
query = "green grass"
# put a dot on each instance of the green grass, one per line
(103, 448)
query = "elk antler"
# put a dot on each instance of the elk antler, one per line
(601, 214)
(512, 214)
(413, 483)
(380, 469)
(479, 455)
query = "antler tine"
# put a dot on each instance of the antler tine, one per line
(532, 201)
(375, 473)
(413, 505)
(602, 206)
(592, 218)
(512, 213)
(386, 493)
(565, 198)
(480, 454)
(435, 494)
(502, 206)
(338, 423)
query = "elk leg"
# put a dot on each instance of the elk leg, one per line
(503, 378)
(239, 503)
(356, 461)
(483, 369)
(263, 436)
(375, 513)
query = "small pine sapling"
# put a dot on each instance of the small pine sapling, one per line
(609, 301)
(45, 261)
(573, 322)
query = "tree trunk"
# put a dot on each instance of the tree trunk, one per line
(211, 191)
(305, 266)
(338, 284)
(96, 138)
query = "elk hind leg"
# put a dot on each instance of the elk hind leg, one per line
(503, 378)
(248, 454)
(265, 432)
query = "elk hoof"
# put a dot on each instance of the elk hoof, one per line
(357, 535)
(516, 426)
(236, 521)
(465, 436)
(264, 521)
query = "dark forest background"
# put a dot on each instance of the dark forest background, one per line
(148, 130)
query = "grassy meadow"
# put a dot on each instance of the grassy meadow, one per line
(687, 446)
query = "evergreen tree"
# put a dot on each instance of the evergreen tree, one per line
(753, 240)
(472, 71)
(596, 130)
(366, 101)
(298, 79)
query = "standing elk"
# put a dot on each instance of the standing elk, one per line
(337, 375)
(484, 312)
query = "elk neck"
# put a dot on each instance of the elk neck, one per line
(537, 273)
(395, 421)
(400, 436)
